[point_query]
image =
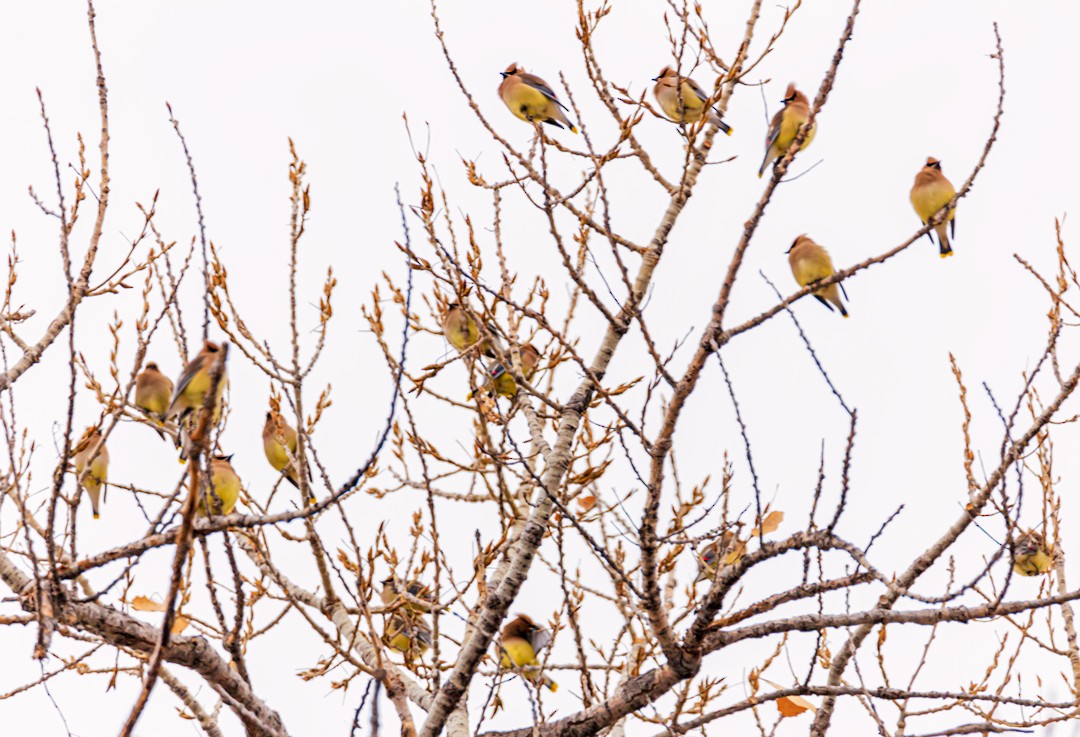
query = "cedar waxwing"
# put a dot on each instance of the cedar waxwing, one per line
(785, 125)
(501, 382)
(518, 646)
(531, 98)
(391, 595)
(408, 635)
(96, 478)
(193, 384)
(810, 263)
(153, 392)
(224, 488)
(691, 107)
(190, 393)
(461, 331)
(931, 192)
(723, 552)
(1030, 555)
(272, 434)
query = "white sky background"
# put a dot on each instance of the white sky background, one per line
(336, 77)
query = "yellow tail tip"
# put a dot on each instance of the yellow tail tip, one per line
(553, 687)
(847, 316)
(97, 516)
(947, 254)
(729, 131)
(312, 501)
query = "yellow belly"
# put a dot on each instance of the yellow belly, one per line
(518, 651)
(275, 453)
(692, 107)
(808, 270)
(529, 103)
(154, 402)
(931, 198)
(789, 128)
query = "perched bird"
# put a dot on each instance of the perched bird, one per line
(408, 635)
(153, 393)
(723, 552)
(194, 383)
(501, 382)
(224, 488)
(683, 101)
(90, 445)
(419, 593)
(810, 263)
(519, 644)
(276, 430)
(931, 192)
(531, 98)
(462, 332)
(1030, 555)
(190, 393)
(785, 125)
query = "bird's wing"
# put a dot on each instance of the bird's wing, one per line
(190, 371)
(536, 83)
(540, 639)
(774, 129)
(697, 89)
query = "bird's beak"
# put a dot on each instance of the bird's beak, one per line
(229, 457)
(655, 79)
(504, 75)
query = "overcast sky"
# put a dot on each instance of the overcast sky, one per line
(337, 78)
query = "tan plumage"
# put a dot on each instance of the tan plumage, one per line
(810, 263)
(931, 192)
(502, 382)
(683, 100)
(1030, 555)
(461, 331)
(718, 554)
(153, 393)
(275, 430)
(532, 99)
(785, 126)
(408, 635)
(194, 383)
(520, 643)
(224, 488)
(90, 446)
(418, 599)
(190, 393)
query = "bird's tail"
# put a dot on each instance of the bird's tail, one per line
(550, 685)
(835, 299)
(943, 240)
(765, 162)
(716, 120)
(559, 117)
(95, 500)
